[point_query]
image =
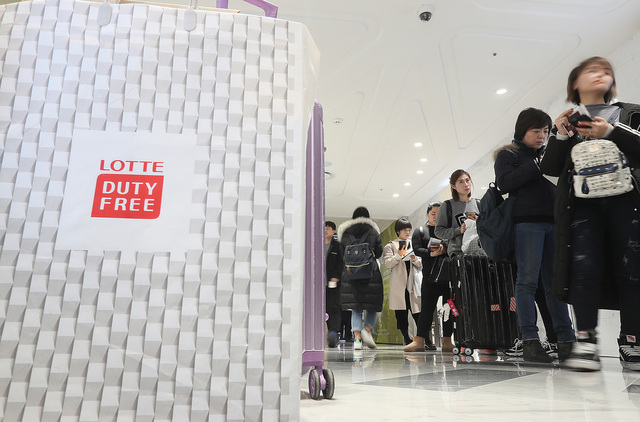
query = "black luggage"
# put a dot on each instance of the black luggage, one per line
(484, 305)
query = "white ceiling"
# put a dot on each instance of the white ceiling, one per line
(394, 80)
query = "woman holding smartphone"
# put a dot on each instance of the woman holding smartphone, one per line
(451, 225)
(597, 257)
(399, 257)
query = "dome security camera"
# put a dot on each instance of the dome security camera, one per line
(425, 12)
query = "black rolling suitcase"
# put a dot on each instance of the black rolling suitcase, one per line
(484, 305)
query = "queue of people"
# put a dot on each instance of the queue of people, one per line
(575, 243)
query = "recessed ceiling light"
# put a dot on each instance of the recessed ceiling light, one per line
(417, 144)
(395, 195)
(407, 184)
(327, 163)
(424, 160)
(419, 171)
(337, 121)
(329, 175)
(502, 91)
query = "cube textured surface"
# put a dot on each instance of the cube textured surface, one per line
(203, 334)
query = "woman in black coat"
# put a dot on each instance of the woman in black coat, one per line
(362, 295)
(518, 174)
(597, 260)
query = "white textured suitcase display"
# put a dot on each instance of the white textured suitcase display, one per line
(151, 213)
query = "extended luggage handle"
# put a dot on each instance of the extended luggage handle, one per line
(270, 10)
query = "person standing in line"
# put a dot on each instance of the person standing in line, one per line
(597, 258)
(518, 173)
(460, 207)
(431, 291)
(363, 297)
(334, 266)
(402, 295)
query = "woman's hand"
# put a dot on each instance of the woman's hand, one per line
(463, 228)
(403, 250)
(438, 251)
(596, 129)
(562, 122)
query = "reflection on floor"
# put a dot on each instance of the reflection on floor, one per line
(389, 385)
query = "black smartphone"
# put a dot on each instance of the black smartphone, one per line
(403, 243)
(579, 116)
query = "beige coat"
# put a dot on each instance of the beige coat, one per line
(398, 280)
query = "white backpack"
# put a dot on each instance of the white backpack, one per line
(600, 169)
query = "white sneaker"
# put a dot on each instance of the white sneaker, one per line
(584, 357)
(357, 345)
(367, 339)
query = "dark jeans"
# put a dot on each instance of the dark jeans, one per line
(534, 244)
(429, 299)
(334, 310)
(605, 229)
(402, 315)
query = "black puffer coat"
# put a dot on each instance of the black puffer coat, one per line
(362, 294)
(557, 162)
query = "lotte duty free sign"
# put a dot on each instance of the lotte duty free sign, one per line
(128, 191)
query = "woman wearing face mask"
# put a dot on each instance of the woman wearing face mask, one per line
(399, 257)
(597, 259)
(518, 174)
(431, 291)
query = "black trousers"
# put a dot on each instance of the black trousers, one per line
(541, 301)
(334, 309)
(402, 315)
(431, 292)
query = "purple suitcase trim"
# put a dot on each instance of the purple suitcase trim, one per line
(270, 10)
(314, 310)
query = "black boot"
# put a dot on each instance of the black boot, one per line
(533, 352)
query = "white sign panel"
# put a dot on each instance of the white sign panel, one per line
(128, 192)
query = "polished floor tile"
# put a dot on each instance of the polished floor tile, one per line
(387, 384)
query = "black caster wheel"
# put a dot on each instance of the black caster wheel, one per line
(455, 350)
(330, 383)
(468, 351)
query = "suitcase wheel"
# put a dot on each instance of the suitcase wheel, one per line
(314, 384)
(455, 350)
(468, 351)
(330, 383)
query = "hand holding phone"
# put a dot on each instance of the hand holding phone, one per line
(402, 247)
(579, 116)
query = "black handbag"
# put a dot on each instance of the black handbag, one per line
(441, 271)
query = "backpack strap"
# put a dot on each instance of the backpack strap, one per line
(449, 212)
